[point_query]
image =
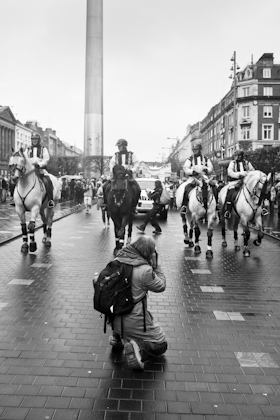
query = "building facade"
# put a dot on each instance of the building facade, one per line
(257, 122)
(7, 137)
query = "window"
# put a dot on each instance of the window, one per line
(267, 132)
(246, 91)
(267, 91)
(267, 73)
(245, 133)
(267, 111)
(246, 111)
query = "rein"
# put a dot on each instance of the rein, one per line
(24, 176)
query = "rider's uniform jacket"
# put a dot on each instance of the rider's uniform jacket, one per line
(235, 169)
(39, 155)
(198, 163)
(127, 159)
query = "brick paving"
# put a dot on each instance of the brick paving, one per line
(55, 360)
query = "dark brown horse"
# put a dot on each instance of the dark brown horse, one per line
(119, 205)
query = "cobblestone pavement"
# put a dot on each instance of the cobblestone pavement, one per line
(221, 318)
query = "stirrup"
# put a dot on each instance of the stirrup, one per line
(51, 204)
(227, 215)
(183, 209)
(264, 212)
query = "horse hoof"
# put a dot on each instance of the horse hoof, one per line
(237, 248)
(224, 244)
(256, 242)
(48, 244)
(246, 253)
(33, 247)
(191, 244)
(44, 240)
(24, 247)
(197, 249)
(186, 241)
(209, 254)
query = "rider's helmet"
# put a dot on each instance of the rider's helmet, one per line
(239, 154)
(35, 139)
(121, 142)
(197, 147)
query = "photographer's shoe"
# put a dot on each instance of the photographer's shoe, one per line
(133, 355)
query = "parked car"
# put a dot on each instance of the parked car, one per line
(145, 204)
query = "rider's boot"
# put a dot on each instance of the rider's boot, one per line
(49, 187)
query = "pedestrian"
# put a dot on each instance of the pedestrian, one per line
(100, 204)
(79, 192)
(157, 208)
(170, 190)
(12, 186)
(72, 189)
(63, 190)
(4, 189)
(88, 190)
(277, 198)
(40, 157)
(131, 163)
(137, 333)
(237, 170)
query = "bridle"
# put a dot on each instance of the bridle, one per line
(253, 194)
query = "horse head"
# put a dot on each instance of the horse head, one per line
(119, 172)
(17, 164)
(256, 184)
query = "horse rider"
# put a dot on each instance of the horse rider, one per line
(237, 170)
(131, 163)
(197, 168)
(40, 157)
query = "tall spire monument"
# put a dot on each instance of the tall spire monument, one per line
(93, 123)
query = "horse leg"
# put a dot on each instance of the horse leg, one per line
(259, 226)
(246, 235)
(224, 240)
(129, 231)
(117, 239)
(197, 249)
(235, 236)
(47, 226)
(31, 233)
(209, 252)
(24, 247)
(45, 232)
(191, 244)
(185, 228)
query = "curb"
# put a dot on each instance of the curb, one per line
(68, 212)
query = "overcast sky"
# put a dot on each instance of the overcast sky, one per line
(166, 63)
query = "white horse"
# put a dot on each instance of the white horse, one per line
(30, 195)
(247, 208)
(198, 209)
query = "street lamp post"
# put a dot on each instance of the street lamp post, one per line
(234, 68)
